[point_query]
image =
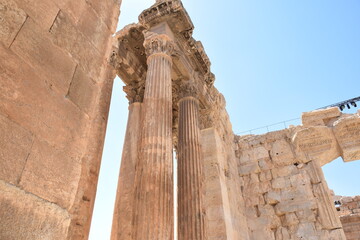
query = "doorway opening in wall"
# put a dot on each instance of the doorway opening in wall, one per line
(342, 178)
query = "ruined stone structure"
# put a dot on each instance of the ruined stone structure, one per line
(53, 114)
(349, 211)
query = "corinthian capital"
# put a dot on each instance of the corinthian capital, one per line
(187, 89)
(135, 91)
(158, 44)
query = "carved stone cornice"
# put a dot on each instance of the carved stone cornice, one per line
(158, 44)
(170, 11)
(135, 91)
(128, 55)
(196, 52)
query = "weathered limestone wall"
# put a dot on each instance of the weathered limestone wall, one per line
(55, 88)
(349, 211)
(286, 195)
(223, 201)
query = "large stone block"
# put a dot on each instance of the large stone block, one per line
(42, 12)
(347, 132)
(321, 117)
(51, 174)
(316, 144)
(72, 8)
(42, 111)
(94, 28)
(106, 9)
(11, 20)
(328, 217)
(34, 46)
(25, 216)
(82, 91)
(67, 36)
(293, 206)
(281, 153)
(15, 145)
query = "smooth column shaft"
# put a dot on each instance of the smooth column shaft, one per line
(124, 205)
(191, 222)
(153, 214)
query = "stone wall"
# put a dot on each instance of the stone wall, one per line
(223, 201)
(285, 192)
(349, 211)
(55, 88)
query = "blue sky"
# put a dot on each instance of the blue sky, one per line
(273, 60)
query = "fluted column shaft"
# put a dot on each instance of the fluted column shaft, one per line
(122, 219)
(191, 222)
(153, 214)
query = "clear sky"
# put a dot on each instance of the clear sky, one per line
(273, 60)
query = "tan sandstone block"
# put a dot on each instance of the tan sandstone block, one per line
(281, 182)
(266, 164)
(42, 111)
(68, 37)
(42, 12)
(82, 91)
(300, 179)
(306, 215)
(320, 117)
(314, 172)
(265, 176)
(24, 216)
(245, 157)
(106, 9)
(282, 234)
(293, 206)
(252, 167)
(307, 231)
(51, 174)
(290, 219)
(338, 234)
(282, 153)
(15, 145)
(285, 171)
(260, 153)
(347, 132)
(328, 216)
(72, 8)
(273, 197)
(316, 144)
(92, 26)
(34, 46)
(11, 20)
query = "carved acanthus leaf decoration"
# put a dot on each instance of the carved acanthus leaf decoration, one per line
(158, 44)
(188, 89)
(135, 91)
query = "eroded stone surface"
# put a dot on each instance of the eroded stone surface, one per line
(26, 216)
(349, 212)
(55, 89)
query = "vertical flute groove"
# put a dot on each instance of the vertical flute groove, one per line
(191, 225)
(153, 201)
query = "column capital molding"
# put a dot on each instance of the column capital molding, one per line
(187, 90)
(135, 91)
(158, 44)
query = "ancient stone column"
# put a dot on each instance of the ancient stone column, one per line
(190, 178)
(153, 214)
(123, 211)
